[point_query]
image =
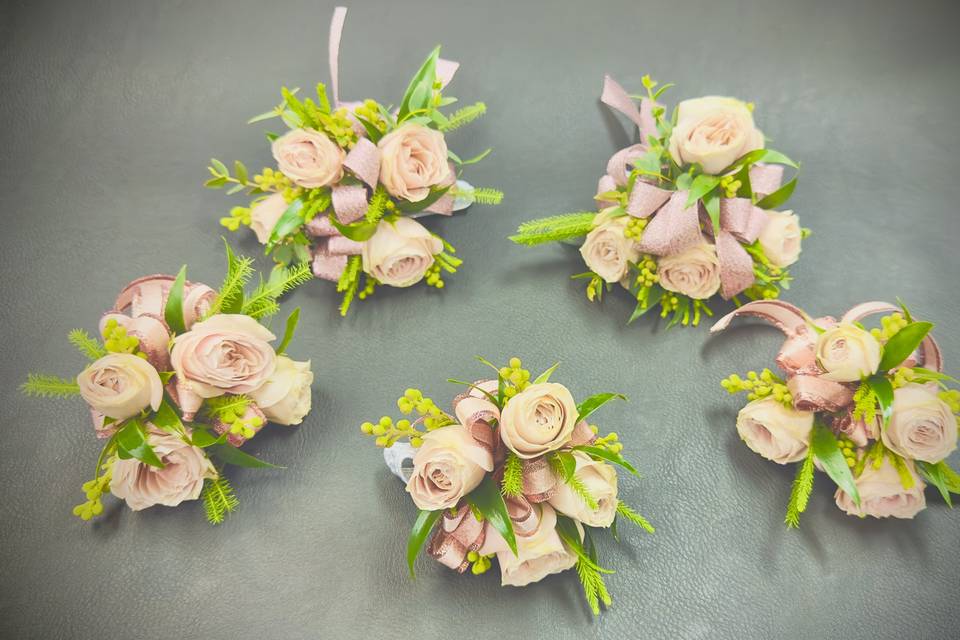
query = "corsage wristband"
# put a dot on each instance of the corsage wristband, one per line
(352, 176)
(686, 213)
(515, 472)
(182, 376)
(870, 407)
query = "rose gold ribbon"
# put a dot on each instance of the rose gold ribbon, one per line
(675, 227)
(813, 393)
(539, 481)
(615, 97)
(645, 199)
(765, 178)
(148, 295)
(454, 537)
(606, 184)
(349, 202)
(364, 162)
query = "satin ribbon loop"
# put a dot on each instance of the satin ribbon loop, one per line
(814, 393)
(675, 227)
(582, 435)
(736, 265)
(618, 163)
(765, 178)
(349, 202)
(645, 199)
(539, 482)
(741, 218)
(606, 184)
(327, 266)
(455, 537)
(364, 162)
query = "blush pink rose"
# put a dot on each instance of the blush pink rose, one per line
(309, 158)
(540, 552)
(265, 214)
(120, 385)
(400, 252)
(775, 432)
(181, 478)
(413, 158)
(447, 466)
(538, 420)
(228, 353)
(922, 426)
(713, 131)
(882, 494)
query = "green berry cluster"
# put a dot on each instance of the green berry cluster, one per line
(902, 376)
(516, 376)
(433, 276)
(889, 326)
(647, 271)
(95, 489)
(238, 216)
(864, 404)
(730, 186)
(765, 384)
(116, 340)
(848, 449)
(369, 286)
(336, 125)
(388, 432)
(635, 227)
(370, 112)
(414, 400)
(243, 427)
(610, 442)
(272, 180)
(669, 303)
(481, 564)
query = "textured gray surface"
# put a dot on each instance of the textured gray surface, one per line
(109, 112)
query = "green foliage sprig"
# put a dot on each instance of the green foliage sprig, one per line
(567, 226)
(219, 499)
(39, 385)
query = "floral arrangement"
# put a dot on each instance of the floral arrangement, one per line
(352, 176)
(688, 212)
(870, 407)
(516, 472)
(181, 377)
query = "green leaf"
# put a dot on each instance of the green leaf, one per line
(373, 133)
(883, 390)
(475, 159)
(202, 438)
(220, 168)
(358, 231)
(413, 207)
(778, 197)
(232, 455)
(427, 75)
(132, 443)
(418, 535)
(564, 464)
(173, 312)
(609, 456)
(653, 297)
(827, 451)
(167, 418)
(930, 374)
(903, 343)
(624, 510)
(700, 187)
(935, 475)
(712, 204)
(292, 320)
(240, 170)
(487, 500)
(545, 376)
(593, 403)
(218, 499)
(290, 221)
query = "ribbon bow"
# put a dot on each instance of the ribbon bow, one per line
(350, 201)
(460, 532)
(674, 226)
(797, 356)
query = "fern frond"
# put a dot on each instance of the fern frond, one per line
(218, 499)
(512, 484)
(481, 195)
(86, 344)
(555, 228)
(239, 272)
(463, 116)
(576, 484)
(263, 301)
(39, 385)
(349, 283)
(624, 510)
(378, 204)
(594, 588)
(800, 493)
(227, 404)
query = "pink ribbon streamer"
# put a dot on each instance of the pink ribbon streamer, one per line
(675, 227)
(364, 162)
(615, 97)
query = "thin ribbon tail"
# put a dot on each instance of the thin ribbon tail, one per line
(445, 70)
(617, 165)
(333, 54)
(616, 97)
(674, 228)
(783, 315)
(736, 265)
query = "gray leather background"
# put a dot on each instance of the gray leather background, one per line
(109, 113)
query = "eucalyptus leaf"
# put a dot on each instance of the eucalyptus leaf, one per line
(132, 443)
(358, 231)
(487, 500)
(418, 535)
(413, 207)
(903, 343)
(167, 418)
(656, 293)
(711, 203)
(201, 437)
(778, 197)
(701, 186)
(291, 328)
(173, 311)
(591, 404)
(827, 451)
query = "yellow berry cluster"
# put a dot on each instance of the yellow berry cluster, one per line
(516, 376)
(902, 376)
(889, 326)
(481, 564)
(669, 303)
(337, 125)
(244, 427)
(369, 112)
(95, 489)
(864, 404)
(635, 227)
(388, 432)
(610, 442)
(238, 216)
(647, 271)
(730, 186)
(272, 180)
(848, 449)
(116, 340)
(369, 286)
(765, 384)
(433, 276)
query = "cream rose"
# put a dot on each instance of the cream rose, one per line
(882, 494)
(847, 353)
(713, 131)
(922, 426)
(600, 480)
(285, 397)
(413, 158)
(265, 214)
(120, 385)
(694, 272)
(228, 353)
(539, 554)
(181, 478)
(538, 420)
(774, 431)
(447, 466)
(400, 252)
(309, 158)
(780, 238)
(608, 252)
